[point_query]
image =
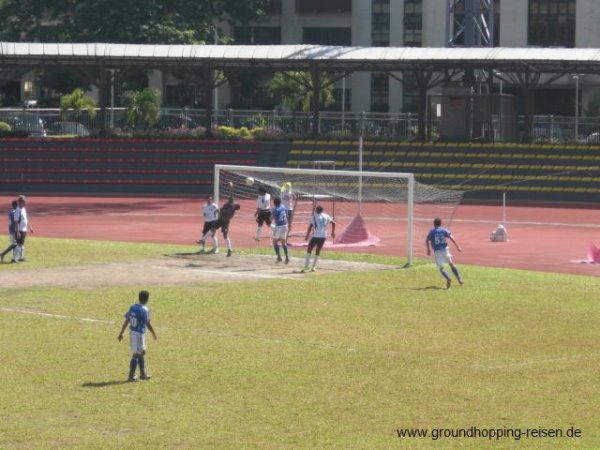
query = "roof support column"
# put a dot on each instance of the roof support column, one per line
(102, 93)
(315, 73)
(208, 96)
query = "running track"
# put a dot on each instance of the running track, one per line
(542, 238)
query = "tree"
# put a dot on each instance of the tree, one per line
(142, 108)
(123, 21)
(296, 90)
(593, 106)
(77, 102)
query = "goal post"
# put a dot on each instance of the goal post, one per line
(372, 209)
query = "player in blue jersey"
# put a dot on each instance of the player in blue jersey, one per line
(280, 231)
(11, 231)
(437, 239)
(138, 319)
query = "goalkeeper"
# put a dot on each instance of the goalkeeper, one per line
(226, 213)
(289, 200)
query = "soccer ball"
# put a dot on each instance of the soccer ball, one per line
(249, 181)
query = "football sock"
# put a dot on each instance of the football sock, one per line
(216, 241)
(206, 236)
(445, 274)
(132, 366)
(258, 230)
(307, 260)
(276, 248)
(315, 260)
(8, 249)
(456, 273)
(285, 250)
(142, 364)
(228, 244)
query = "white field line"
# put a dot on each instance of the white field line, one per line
(140, 214)
(552, 224)
(56, 316)
(241, 274)
(372, 218)
(222, 334)
(533, 362)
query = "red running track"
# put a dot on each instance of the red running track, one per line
(543, 238)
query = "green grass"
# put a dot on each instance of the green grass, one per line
(44, 252)
(338, 361)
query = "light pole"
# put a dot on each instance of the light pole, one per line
(500, 103)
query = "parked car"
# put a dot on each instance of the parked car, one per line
(32, 124)
(68, 128)
(547, 134)
(593, 138)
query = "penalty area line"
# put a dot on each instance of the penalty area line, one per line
(521, 364)
(225, 273)
(56, 316)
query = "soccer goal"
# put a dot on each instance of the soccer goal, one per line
(371, 209)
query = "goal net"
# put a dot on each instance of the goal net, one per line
(371, 209)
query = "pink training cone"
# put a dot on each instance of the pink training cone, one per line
(356, 233)
(593, 254)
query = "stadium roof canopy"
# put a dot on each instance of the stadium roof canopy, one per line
(298, 57)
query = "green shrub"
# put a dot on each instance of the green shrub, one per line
(233, 133)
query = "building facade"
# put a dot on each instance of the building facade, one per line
(422, 23)
(397, 23)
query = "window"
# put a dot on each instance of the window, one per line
(380, 92)
(257, 35)
(327, 36)
(380, 23)
(273, 7)
(323, 6)
(179, 95)
(551, 23)
(413, 23)
(339, 95)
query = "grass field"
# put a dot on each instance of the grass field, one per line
(342, 360)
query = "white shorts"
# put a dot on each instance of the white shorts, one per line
(137, 341)
(280, 232)
(442, 257)
(12, 239)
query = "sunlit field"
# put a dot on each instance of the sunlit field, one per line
(333, 359)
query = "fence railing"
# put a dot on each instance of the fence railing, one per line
(397, 126)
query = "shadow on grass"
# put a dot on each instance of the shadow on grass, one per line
(429, 288)
(183, 255)
(101, 384)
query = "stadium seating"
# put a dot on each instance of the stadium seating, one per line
(540, 172)
(124, 166)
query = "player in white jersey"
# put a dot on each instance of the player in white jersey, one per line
(210, 211)
(318, 225)
(289, 200)
(11, 231)
(22, 225)
(263, 211)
